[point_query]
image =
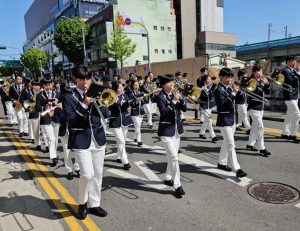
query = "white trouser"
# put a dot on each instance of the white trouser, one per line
(67, 154)
(51, 132)
(121, 134)
(30, 130)
(35, 125)
(171, 145)
(181, 115)
(137, 120)
(154, 106)
(257, 130)
(91, 168)
(11, 112)
(291, 122)
(44, 136)
(201, 117)
(149, 110)
(228, 147)
(22, 120)
(207, 124)
(243, 116)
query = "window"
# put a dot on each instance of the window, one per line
(156, 51)
(145, 58)
(163, 51)
(212, 46)
(162, 28)
(155, 27)
(170, 51)
(220, 3)
(53, 9)
(169, 29)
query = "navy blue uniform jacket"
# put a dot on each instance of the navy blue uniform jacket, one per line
(254, 104)
(169, 115)
(291, 77)
(83, 124)
(226, 106)
(119, 114)
(206, 98)
(136, 108)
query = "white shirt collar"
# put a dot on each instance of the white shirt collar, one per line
(80, 91)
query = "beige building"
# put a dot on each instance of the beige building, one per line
(199, 26)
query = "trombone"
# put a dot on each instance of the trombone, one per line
(279, 81)
(249, 90)
(192, 98)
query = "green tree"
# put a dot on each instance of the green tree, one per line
(68, 39)
(6, 71)
(31, 60)
(120, 47)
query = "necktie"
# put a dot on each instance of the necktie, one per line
(19, 88)
(83, 94)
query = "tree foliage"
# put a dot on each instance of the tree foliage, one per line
(120, 47)
(31, 60)
(68, 39)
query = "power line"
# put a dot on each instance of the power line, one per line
(11, 47)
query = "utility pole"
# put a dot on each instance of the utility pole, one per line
(269, 36)
(285, 31)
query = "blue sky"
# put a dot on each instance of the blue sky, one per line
(247, 19)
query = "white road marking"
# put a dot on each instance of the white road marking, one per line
(147, 171)
(109, 155)
(297, 205)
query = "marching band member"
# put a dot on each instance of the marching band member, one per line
(120, 120)
(170, 129)
(242, 106)
(225, 97)
(256, 111)
(203, 71)
(176, 80)
(206, 97)
(148, 101)
(5, 100)
(137, 111)
(154, 101)
(46, 100)
(87, 139)
(15, 95)
(291, 122)
(64, 136)
(27, 94)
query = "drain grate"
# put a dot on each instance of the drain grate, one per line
(275, 193)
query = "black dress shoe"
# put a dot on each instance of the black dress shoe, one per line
(238, 129)
(202, 137)
(179, 151)
(32, 141)
(70, 176)
(295, 139)
(183, 120)
(26, 134)
(135, 140)
(215, 139)
(119, 161)
(179, 191)
(224, 167)
(285, 136)
(265, 152)
(140, 143)
(47, 149)
(82, 211)
(248, 131)
(127, 166)
(98, 211)
(21, 134)
(169, 182)
(38, 147)
(10, 125)
(200, 122)
(55, 161)
(151, 126)
(240, 173)
(78, 173)
(252, 148)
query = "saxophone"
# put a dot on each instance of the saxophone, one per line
(18, 105)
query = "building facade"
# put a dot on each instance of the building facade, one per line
(199, 26)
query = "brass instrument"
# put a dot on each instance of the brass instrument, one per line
(180, 84)
(44, 113)
(8, 84)
(29, 105)
(279, 81)
(249, 90)
(151, 88)
(18, 105)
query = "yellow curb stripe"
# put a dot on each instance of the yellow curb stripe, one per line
(69, 218)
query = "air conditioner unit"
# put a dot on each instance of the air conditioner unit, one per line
(139, 63)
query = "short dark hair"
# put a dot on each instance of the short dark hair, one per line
(241, 72)
(82, 72)
(18, 76)
(115, 76)
(28, 80)
(130, 74)
(164, 80)
(204, 78)
(227, 72)
(114, 86)
(146, 77)
(290, 58)
(133, 82)
(203, 69)
(256, 68)
(178, 73)
(149, 73)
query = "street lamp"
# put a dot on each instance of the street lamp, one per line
(83, 38)
(148, 44)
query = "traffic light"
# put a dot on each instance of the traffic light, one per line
(38, 58)
(23, 58)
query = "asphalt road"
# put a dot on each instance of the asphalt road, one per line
(136, 200)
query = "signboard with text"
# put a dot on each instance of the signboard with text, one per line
(132, 27)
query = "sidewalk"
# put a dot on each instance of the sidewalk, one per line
(22, 206)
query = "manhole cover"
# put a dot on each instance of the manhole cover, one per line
(275, 193)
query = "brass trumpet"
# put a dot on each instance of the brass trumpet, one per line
(279, 81)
